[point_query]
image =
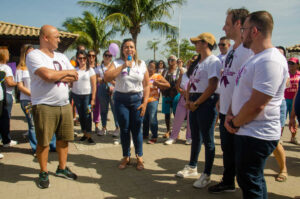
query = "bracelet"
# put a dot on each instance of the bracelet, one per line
(232, 125)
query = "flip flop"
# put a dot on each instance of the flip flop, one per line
(281, 177)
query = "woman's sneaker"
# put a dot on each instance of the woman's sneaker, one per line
(170, 141)
(188, 141)
(66, 173)
(202, 182)
(1, 156)
(102, 132)
(12, 143)
(43, 181)
(116, 133)
(187, 171)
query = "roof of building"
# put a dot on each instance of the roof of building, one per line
(295, 48)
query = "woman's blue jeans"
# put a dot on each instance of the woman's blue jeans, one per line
(150, 119)
(9, 103)
(31, 131)
(202, 123)
(4, 124)
(129, 118)
(82, 103)
(105, 99)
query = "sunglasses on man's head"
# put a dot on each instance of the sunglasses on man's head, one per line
(107, 55)
(222, 44)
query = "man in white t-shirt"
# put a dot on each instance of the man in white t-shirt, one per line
(236, 56)
(224, 45)
(254, 115)
(50, 73)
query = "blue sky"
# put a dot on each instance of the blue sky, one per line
(197, 16)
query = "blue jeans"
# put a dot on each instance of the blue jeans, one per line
(150, 119)
(129, 118)
(4, 124)
(85, 117)
(250, 157)
(202, 123)
(31, 131)
(9, 103)
(105, 99)
(227, 145)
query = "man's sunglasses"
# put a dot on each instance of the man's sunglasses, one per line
(222, 44)
(291, 63)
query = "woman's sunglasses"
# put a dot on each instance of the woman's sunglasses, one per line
(107, 55)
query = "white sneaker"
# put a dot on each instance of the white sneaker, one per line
(12, 143)
(202, 182)
(1, 156)
(187, 172)
(188, 141)
(170, 141)
(116, 133)
(102, 132)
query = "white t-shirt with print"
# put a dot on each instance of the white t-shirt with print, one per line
(23, 76)
(233, 62)
(207, 69)
(222, 57)
(83, 85)
(100, 70)
(42, 92)
(132, 82)
(267, 73)
(9, 73)
(184, 81)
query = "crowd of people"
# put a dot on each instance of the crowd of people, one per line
(250, 87)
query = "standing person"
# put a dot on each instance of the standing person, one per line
(105, 92)
(84, 94)
(8, 83)
(92, 62)
(170, 95)
(2, 104)
(181, 112)
(224, 45)
(236, 56)
(289, 93)
(161, 66)
(254, 115)
(181, 66)
(50, 72)
(201, 100)
(156, 82)
(131, 97)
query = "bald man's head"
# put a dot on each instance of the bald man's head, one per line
(49, 37)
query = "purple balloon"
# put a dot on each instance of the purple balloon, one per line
(113, 49)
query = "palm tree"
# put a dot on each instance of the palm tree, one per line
(92, 31)
(152, 45)
(132, 15)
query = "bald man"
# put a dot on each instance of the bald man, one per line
(50, 73)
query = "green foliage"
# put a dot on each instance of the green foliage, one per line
(93, 31)
(153, 45)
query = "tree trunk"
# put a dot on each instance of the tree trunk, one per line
(154, 54)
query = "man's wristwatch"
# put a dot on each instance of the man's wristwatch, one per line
(232, 125)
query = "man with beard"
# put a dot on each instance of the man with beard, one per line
(254, 115)
(236, 56)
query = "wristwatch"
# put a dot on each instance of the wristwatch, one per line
(232, 125)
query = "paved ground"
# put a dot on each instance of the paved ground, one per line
(99, 176)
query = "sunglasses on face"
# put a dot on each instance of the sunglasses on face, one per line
(291, 63)
(172, 59)
(82, 58)
(90, 55)
(107, 55)
(222, 44)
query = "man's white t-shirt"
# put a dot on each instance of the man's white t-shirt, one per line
(267, 73)
(23, 76)
(9, 73)
(132, 82)
(233, 62)
(83, 85)
(49, 93)
(223, 57)
(207, 69)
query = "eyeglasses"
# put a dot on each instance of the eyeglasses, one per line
(171, 59)
(107, 55)
(90, 55)
(222, 44)
(81, 58)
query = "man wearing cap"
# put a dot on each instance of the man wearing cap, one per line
(223, 45)
(236, 56)
(201, 100)
(50, 72)
(290, 91)
(254, 115)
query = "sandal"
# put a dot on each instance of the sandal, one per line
(281, 177)
(139, 163)
(124, 163)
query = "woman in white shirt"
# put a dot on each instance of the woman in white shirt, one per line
(130, 97)
(84, 94)
(201, 99)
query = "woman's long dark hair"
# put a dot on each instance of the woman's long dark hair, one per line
(82, 52)
(157, 65)
(192, 66)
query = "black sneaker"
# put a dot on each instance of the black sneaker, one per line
(66, 173)
(91, 141)
(83, 138)
(221, 187)
(43, 181)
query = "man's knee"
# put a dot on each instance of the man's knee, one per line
(62, 144)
